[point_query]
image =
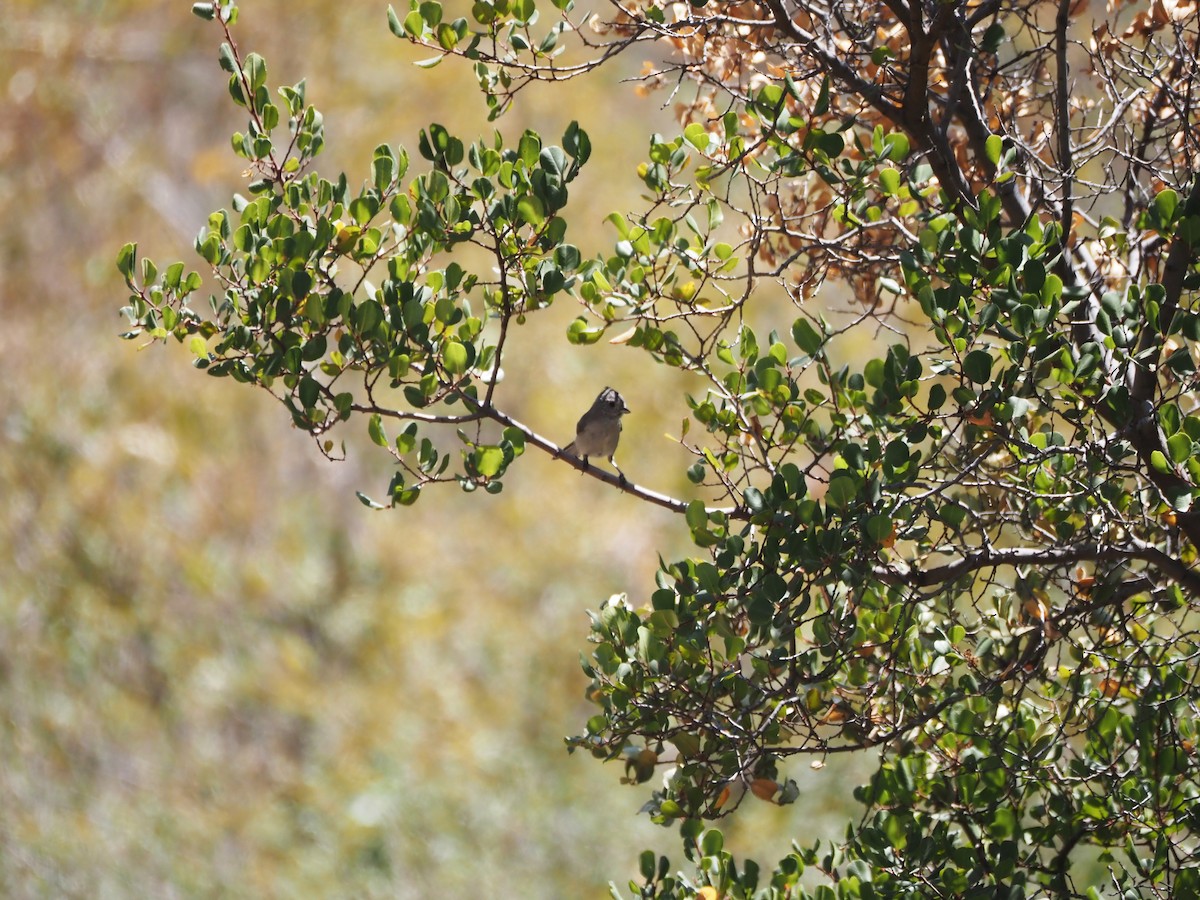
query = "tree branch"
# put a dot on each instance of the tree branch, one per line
(832, 64)
(1144, 373)
(1062, 102)
(989, 558)
(642, 493)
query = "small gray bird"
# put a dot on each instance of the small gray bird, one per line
(599, 430)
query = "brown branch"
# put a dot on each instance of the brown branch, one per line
(1144, 376)
(913, 114)
(642, 493)
(1144, 432)
(1054, 556)
(480, 410)
(831, 63)
(917, 119)
(1065, 159)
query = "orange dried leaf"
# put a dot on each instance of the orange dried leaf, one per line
(723, 797)
(890, 540)
(764, 788)
(836, 714)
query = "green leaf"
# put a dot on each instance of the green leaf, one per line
(993, 148)
(879, 528)
(255, 71)
(554, 161)
(309, 392)
(977, 366)
(431, 12)
(896, 146)
(843, 490)
(822, 105)
(889, 181)
(567, 257)
(127, 260)
(769, 100)
(375, 430)
(697, 135)
(407, 439)
(581, 331)
(896, 454)
(953, 514)
(1165, 204)
(832, 144)
(646, 865)
(384, 165)
(1052, 288)
(577, 143)
(712, 842)
(403, 496)
(993, 37)
(489, 461)
(173, 275)
(531, 210)
(806, 337)
(1034, 276)
(1180, 362)
(454, 357)
(227, 59)
(394, 24)
(367, 501)
(516, 439)
(1179, 446)
(1178, 495)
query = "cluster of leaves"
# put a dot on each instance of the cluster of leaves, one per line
(974, 554)
(298, 315)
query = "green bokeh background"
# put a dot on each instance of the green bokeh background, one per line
(220, 675)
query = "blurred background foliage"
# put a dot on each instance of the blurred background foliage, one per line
(219, 673)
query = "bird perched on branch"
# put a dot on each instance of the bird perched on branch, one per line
(599, 429)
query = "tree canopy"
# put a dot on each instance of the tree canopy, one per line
(972, 554)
